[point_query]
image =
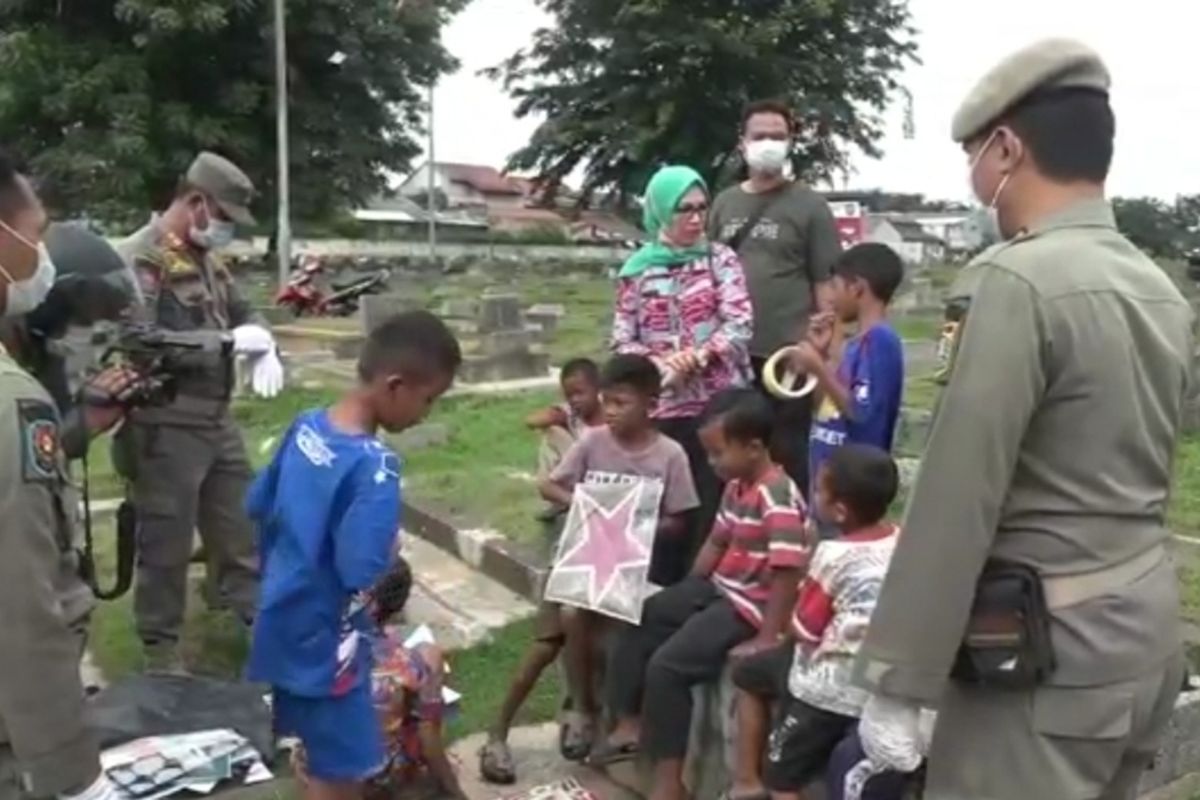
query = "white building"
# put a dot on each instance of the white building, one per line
(911, 241)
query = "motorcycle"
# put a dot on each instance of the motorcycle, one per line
(304, 296)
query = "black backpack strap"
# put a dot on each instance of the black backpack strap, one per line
(739, 236)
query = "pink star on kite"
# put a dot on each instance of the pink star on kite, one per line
(606, 543)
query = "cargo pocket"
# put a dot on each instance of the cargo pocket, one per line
(1085, 732)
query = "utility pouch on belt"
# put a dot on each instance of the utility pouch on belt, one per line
(1007, 644)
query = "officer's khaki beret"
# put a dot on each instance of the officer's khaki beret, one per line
(226, 184)
(1048, 64)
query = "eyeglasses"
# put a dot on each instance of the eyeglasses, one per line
(688, 209)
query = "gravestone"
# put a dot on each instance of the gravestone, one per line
(378, 308)
(500, 312)
(502, 342)
(546, 316)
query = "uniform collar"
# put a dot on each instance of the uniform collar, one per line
(1092, 213)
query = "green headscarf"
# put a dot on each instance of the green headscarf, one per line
(663, 193)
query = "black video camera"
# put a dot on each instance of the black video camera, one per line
(163, 358)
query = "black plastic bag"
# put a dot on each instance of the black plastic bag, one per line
(159, 705)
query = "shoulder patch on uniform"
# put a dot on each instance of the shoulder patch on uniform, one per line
(179, 263)
(39, 439)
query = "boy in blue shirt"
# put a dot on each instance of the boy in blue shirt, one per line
(859, 396)
(327, 510)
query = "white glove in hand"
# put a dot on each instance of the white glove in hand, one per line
(891, 734)
(252, 340)
(102, 789)
(266, 374)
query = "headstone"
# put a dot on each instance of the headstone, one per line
(378, 308)
(504, 341)
(545, 316)
(500, 312)
(460, 308)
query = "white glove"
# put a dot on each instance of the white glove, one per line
(102, 789)
(252, 340)
(891, 734)
(266, 374)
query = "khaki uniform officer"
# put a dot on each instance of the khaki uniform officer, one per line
(46, 749)
(1051, 448)
(187, 460)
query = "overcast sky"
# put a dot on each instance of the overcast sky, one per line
(1152, 48)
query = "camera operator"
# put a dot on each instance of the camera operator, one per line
(91, 286)
(46, 750)
(185, 461)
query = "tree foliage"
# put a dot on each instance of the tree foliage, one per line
(1164, 230)
(110, 99)
(627, 86)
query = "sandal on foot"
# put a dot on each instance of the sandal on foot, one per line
(575, 736)
(609, 753)
(496, 764)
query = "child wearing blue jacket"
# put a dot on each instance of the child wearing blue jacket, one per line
(327, 510)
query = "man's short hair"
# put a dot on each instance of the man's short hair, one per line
(875, 264)
(414, 343)
(744, 415)
(391, 593)
(584, 367)
(865, 478)
(14, 197)
(1069, 133)
(634, 371)
(777, 107)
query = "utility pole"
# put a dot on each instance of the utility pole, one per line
(431, 188)
(283, 227)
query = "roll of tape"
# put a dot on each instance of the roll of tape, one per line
(785, 389)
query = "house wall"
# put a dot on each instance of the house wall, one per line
(884, 233)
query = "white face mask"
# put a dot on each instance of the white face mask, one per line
(217, 235)
(767, 155)
(991, 232)
(24, 296)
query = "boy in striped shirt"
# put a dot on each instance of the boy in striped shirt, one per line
(736, 601)
(809, 678)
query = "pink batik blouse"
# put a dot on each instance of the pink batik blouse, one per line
(703, 305)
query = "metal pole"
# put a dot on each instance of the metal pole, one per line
(431, 188)
(283, 229)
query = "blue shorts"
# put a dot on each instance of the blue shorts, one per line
(342, 736)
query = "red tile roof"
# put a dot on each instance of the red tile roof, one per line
(485, 180)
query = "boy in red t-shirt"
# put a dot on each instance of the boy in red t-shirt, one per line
(737, 599)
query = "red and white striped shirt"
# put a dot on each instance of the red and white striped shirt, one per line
(832, 613)
(760, 527)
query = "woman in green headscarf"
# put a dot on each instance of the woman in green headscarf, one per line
(682, 301)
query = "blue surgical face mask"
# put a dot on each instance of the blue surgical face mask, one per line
(216, 235)
(26, 295)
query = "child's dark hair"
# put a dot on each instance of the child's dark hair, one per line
(744, 414)
(636, 372)
(865, 478)
(584, 368)
(413, 342)
(876, 264)
(390, 594)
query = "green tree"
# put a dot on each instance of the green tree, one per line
(1154, 226)
(625, 87)
(110, 99)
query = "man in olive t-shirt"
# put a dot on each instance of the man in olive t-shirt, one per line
(787, 252)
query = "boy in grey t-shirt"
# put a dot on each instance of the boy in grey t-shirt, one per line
(627, 447)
